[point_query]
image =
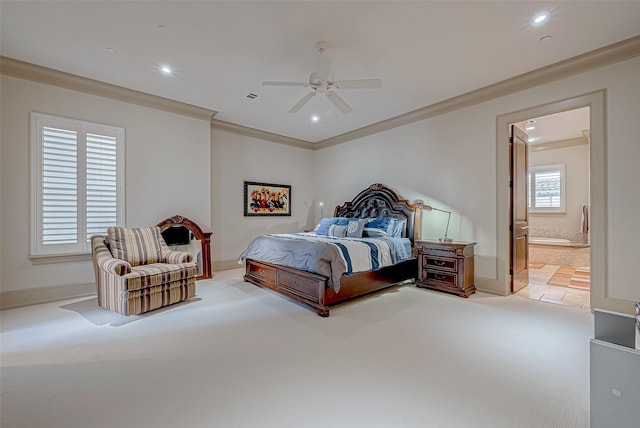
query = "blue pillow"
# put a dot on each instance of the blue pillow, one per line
(382, 223)
(343, 221)
(398, 228)
(324, 225)
(373, 233)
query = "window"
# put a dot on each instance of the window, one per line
(546, 189)
(77, 182)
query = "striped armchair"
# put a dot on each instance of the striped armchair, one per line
(136, 272)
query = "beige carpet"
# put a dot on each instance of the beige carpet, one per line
(240, 356)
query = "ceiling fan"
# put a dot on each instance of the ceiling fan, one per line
(321, 82)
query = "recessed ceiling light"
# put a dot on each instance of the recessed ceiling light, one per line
(530, 127)
(166, 69)
(539, 18)
(315, 118)
(544, 39)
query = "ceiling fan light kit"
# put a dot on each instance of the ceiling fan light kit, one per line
(323, 83)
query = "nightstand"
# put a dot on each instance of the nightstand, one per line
(446, 266)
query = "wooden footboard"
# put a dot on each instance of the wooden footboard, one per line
(312, 290)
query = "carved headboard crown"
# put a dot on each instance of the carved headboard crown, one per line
(377, 201)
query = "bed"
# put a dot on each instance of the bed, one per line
(317, 286)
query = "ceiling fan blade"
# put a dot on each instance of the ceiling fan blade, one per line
(270, 83)
(339, 102)
(358, 84)
(302, 102)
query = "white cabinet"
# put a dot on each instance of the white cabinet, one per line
(615, 372)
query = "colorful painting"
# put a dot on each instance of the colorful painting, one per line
(264, 199)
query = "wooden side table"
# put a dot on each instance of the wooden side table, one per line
(446, 266)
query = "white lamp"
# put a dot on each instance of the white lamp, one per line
(445, 238)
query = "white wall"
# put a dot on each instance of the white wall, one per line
(236, 159)
(451, 159)
(576, 160)
(431, 160)
(167, 172)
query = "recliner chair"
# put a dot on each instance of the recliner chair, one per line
(136, 271)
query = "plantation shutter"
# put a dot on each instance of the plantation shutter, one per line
(76, 183)
(101, 184)
(547, 189)
(59, 186)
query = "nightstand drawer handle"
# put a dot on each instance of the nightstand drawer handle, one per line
(439, 262)
(439, 277)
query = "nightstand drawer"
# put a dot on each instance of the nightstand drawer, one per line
(448, 264)
(447, 278)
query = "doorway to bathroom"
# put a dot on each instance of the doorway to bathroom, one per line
(558, 202)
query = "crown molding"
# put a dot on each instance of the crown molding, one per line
(558, 144)
(24, 70)
(263, 135)
(616, 52)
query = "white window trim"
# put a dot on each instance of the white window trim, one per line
(550, 210)
(38, 121)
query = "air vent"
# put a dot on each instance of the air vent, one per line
(252, 96)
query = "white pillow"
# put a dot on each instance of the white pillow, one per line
(337, 231)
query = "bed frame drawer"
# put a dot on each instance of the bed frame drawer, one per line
(308, 288)
(261, 272)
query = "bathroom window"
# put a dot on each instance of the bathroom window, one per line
(547, 189)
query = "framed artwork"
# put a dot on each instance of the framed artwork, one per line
(265, 199)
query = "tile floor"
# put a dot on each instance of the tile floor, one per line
(538, 289)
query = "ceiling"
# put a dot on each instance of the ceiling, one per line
(557, 130)
(221, 51)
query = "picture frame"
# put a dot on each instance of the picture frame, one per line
(266, 199)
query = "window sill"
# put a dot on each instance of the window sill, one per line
(43, 259)
(548, 212)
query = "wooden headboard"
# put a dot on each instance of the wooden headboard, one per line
(380, 201)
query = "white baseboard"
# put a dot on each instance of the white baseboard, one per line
(218, 265)
(33, 296)
(487, 285)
